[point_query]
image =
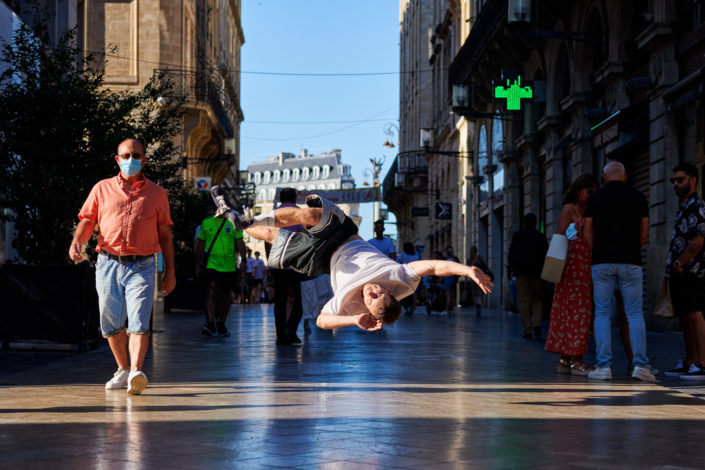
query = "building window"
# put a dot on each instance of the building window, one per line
(287, 175)
(301, 188)
(482, 162)
(277, 175)
(497, 147)
(271, 194)
(258, 177)
(267, 177)
(311, 187)
(304, 173)
(262, 195)
(316, 172)
(295, 177)
(326, 171)
(331, 185)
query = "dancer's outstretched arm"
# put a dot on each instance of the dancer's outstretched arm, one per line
(451, 268)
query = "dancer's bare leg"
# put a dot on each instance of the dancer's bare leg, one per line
(286, 216)
(267, 234)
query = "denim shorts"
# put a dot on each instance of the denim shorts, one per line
(125, 294)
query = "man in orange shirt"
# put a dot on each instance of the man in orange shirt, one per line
(134, 222)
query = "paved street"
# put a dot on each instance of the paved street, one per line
(427, 393)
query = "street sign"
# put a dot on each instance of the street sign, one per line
(419, 212)
(443, 211)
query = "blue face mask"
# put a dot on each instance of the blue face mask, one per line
(130, 166)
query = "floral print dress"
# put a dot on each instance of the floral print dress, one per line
(571, 311)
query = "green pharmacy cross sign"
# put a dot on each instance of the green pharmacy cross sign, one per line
(513, 92)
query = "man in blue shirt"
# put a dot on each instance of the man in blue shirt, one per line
(382, 243)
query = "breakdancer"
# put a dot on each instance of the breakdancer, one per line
(367, 285)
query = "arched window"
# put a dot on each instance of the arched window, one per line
(497, 147)
(311, 187)
(301, 188)
(331, 185)
(277, 175)
(322, 186)
(304, 173)
(295, 176)
(262, 195)
(267, 177)
(271, 192)
(482, 162)
(326, 171)
(316, 172)
(286, 175)
(258, 177)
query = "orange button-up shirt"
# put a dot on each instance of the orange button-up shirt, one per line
(127, 219)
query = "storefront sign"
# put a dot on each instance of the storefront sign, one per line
(443, 211)
(606, 135)
(202, 183)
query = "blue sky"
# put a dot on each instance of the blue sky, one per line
(345, 112)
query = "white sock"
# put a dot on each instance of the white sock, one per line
(266, 219)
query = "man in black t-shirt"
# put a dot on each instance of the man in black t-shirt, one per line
(685, 266)
(616, 227)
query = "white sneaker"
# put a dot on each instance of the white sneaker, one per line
(601, 373)
(119, 380)
(136, 382)
(644, 373)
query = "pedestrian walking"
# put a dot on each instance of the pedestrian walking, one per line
(366, 283)
(134, 222)
(409, 255)
(685, 269)
(382, 243)
(571, 310)
(526, 254)
(218, 243)
(288, 308)
(259, 271)
(616, 227)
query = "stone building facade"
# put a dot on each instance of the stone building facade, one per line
(304, 172)
(197, 44)
(623, 81)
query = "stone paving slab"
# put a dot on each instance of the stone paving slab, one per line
(428, 392)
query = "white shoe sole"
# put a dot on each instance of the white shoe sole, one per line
(137, 384)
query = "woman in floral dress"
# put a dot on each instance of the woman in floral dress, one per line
(572, 308)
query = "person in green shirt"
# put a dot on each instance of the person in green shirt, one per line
(221, 270)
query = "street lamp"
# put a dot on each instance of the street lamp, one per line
(374, 172)
(389, 130)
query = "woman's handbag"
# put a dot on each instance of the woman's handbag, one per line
(555, 258)
(664, 306)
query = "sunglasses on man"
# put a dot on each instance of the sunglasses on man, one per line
(679, 179)
(136, 156)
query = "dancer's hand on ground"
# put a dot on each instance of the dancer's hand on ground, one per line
(481, 279)
(368, 322)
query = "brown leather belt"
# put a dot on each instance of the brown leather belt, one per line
(126, 258)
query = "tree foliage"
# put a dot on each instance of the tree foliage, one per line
(59, 130)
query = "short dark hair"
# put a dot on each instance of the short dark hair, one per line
(287, 195)
(409, 248)
(379, 221)
(687, 168)
(390, 313)
(529, 220)
(583, 181)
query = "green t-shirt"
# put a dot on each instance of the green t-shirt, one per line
(222, 255)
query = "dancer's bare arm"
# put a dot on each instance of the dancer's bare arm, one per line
(328, 321)
(451, 268)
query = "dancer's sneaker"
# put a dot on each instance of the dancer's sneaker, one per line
(119, 380)
(680, 369)
(136, 383)
(226, 209)
(644, 374)
(601, 373)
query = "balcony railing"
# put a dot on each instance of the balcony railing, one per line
(206, 87)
